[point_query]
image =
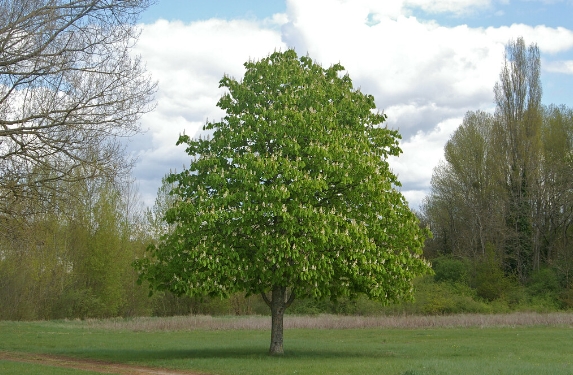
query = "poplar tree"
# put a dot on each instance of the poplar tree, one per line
(519, 115)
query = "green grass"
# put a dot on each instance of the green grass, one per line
(15, 368)
(505, 350)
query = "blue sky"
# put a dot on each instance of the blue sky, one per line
(549, 13)
(427, 62)
(194, 10)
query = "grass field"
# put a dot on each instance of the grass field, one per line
(511, 344)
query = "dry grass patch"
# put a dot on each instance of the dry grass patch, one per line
(202, 322)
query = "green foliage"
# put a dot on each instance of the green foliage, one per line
(450, 270)
(168, 304)
(78, 303)
(74, 262)
(310, 306)
(544, 281)
(293, 189)
(566, 298)
(489, 279)
(447, 298)
(439, 298)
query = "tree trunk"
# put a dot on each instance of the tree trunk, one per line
(278, 304)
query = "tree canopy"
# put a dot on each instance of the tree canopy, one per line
(291, 194)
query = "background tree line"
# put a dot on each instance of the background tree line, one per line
(503, 198)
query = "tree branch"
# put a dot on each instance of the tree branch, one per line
(266, 299)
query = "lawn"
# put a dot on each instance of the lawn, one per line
(502, 349)
(15, 368)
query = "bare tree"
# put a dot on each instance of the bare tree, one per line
(69, 91)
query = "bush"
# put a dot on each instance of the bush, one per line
(544, 281)
(488, 279)
(447, 298)
(431, 298)
(309, 306)
(566, 298)
(450, 270)
(80, 303)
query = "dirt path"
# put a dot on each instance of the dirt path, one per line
(88, 364)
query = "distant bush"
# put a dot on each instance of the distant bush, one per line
(488, 279)
(450, 270)
(566, 298)
(308, 306)
(544, 281)
(445, 298)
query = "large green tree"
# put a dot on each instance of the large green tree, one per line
(290, 195)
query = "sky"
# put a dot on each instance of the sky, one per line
(426, 62)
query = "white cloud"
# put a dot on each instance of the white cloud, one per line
(565, 67)
(449, 6)
(549, 39)
(390, 8)
(421, 154)
(415, 198)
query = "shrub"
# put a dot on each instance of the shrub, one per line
(447, 298)
(544, 281)
(450, 270)
(307, 306)
(488, 280)
(566, 298)
(431, 298)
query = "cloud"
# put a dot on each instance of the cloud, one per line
(347, 9)
(565, 67)
(402, 60)
(457, 7)
(421, 153)
(549, 39)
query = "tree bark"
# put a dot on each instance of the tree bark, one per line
(278, 304)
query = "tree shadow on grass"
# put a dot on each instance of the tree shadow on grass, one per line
(151, 355)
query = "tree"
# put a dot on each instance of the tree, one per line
(554, 209)
(292, 195)
(69, 91)
(518, 99)
(463, 206)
